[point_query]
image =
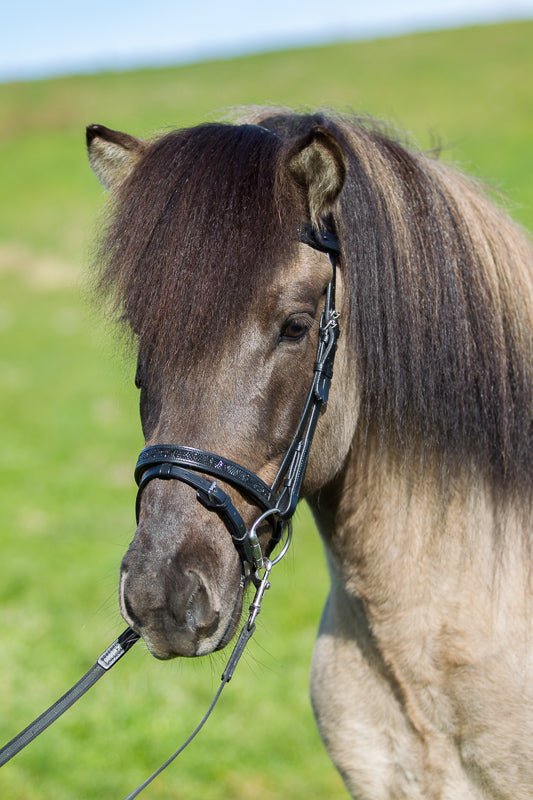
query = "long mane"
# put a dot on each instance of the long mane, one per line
(441, 292)
(440, 280)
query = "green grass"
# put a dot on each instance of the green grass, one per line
(70, 433)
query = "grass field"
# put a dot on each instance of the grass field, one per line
(70, 433)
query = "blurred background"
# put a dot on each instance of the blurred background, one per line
(448, 73)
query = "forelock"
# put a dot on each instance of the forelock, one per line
(196, 233)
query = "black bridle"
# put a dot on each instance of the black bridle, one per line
(277, 502)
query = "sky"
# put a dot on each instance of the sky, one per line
(39, 38)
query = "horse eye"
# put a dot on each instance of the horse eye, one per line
(294, 329)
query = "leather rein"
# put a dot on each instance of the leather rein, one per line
(277, 504)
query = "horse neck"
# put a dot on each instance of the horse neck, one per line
(396, 537)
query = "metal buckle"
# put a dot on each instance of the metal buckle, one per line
(332, 322)
(258, 561)
(262, 583)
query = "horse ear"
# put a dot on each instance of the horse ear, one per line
(112, 154)
(317, 163)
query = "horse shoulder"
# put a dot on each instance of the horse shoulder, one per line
(420, 678)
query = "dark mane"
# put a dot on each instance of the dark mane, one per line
(197, 227)
(441, 289)
(440, 280)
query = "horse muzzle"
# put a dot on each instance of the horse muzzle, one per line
(176, 606)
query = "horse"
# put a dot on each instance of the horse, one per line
(420, 473)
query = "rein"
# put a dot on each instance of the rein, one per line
(277, 504)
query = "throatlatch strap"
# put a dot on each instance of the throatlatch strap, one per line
(108, 659)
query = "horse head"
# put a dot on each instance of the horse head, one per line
(205, 259)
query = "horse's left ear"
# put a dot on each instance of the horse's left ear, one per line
(112, 154)
(317, 162)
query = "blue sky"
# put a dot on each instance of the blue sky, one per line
(62, 36)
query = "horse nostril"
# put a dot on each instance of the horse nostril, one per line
(172, 605)
(125, 606)
(193, 604)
